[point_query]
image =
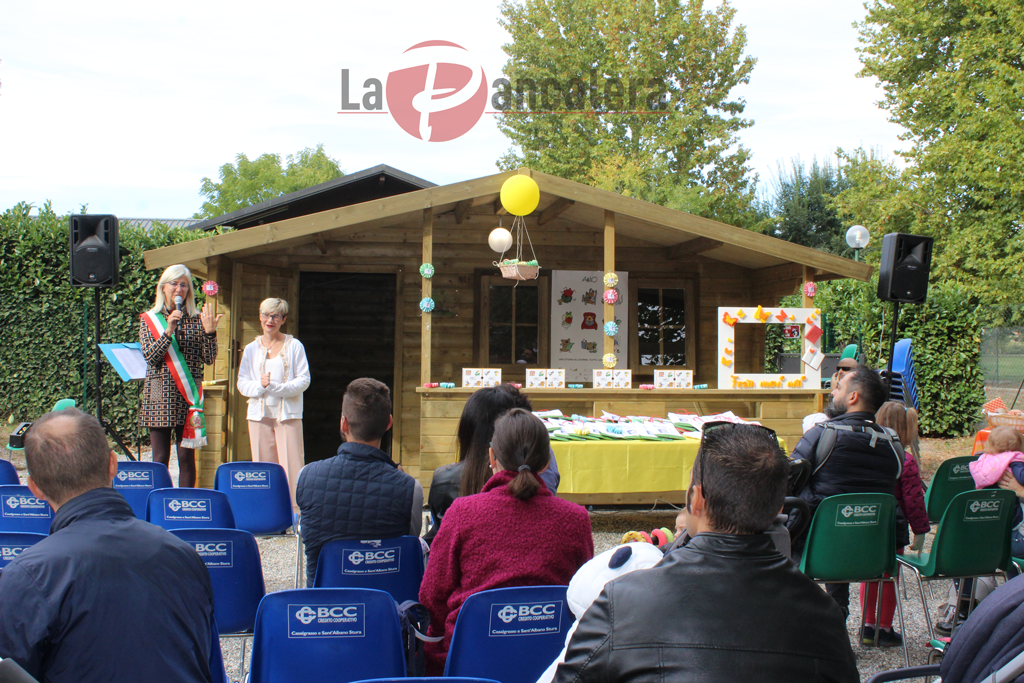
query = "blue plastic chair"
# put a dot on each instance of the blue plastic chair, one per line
(8, 474)
(260, 499)
(236, 573)
(430, 679)
(321, 635)
(20, 510)
(13, 542)
(492, 640)
(136, 480)
(185, 508)
(394, 565)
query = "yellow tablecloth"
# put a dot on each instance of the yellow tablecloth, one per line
(625, 466)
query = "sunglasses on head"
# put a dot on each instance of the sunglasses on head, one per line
(701, 458)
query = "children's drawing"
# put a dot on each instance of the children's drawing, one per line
(590, 297)
(567, 345)
(566, 297)
(589, 321)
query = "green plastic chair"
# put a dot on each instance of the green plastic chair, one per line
(972, 540)
(849, 352)
(952, 477)
(852, 538)
(63, 404)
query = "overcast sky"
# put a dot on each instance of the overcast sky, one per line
(126, 106)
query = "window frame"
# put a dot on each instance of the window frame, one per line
(481, 341)
(691, 294)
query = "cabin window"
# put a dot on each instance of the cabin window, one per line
(514, 327)
(663, 322)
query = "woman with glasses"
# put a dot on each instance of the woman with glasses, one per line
(176, 341)
(273, 374)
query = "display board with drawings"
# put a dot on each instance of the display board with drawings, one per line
(577, 322)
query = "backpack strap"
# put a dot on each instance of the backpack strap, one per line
(830, 435)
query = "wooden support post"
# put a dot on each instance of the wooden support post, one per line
(428, 255)
(609, 267)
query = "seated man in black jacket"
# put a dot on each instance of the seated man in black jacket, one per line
(858, 455)
(727, 606)
(360, 493)
(105, 597)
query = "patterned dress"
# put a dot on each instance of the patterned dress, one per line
(162, 403)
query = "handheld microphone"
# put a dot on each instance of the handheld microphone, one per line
(178, 301)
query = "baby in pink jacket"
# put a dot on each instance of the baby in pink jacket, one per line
(1002, 452)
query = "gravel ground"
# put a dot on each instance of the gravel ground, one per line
(278, 556)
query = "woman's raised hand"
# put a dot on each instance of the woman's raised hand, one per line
(209, 320)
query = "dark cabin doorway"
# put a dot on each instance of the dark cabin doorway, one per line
(348, 329)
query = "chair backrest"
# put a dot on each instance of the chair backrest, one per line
(394, 565)
(22, 511)
(136, 480)
(236, 573)
(852, 538)
(13, 542)
(8, 474)
(973, 537)
(259, 495)
(185, 508)
(952, 477)
(430, 679)
(318, 635)
(509, 634)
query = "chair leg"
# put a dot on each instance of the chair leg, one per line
(924, 604)
(903, 627)
(241, 661)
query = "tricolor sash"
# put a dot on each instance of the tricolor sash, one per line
(194, 435)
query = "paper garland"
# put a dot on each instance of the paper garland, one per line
(427, 270)
(426, 304)
(610, 280)
(611, 329)
(609, 360)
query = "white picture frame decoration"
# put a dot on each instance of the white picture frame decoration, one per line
(809, 320)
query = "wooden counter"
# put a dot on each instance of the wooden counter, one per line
(782, 411)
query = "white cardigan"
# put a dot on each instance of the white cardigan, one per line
(296, 373)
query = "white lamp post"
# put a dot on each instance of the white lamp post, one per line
(857, 237)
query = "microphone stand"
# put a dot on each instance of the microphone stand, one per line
(107, 427)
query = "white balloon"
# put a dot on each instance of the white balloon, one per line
(500, 240)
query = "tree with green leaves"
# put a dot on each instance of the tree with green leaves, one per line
(245, 183)
(953, 74)
(631, 97)
(801, 207)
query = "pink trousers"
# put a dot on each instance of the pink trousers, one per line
(270, 438)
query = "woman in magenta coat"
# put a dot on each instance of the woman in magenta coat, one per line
(513, 533)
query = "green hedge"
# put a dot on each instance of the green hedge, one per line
(946, 337)
(49, 327)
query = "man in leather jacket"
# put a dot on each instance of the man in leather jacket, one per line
(727, 606)
(863, 459)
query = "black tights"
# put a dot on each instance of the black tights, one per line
(160, 440)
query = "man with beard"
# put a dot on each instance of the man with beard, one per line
(849, 452)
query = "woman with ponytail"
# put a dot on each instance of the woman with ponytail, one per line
(513, 533)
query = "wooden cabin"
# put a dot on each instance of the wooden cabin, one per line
(351, 276)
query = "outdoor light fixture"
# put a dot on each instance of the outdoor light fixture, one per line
(857, 237)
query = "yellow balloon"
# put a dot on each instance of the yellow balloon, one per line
(520, 195)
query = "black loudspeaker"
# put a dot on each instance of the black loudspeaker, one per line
(903, 272)
(95, 253)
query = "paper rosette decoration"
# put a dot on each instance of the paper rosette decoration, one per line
(810, 289)
(610, 280)
(426, 304)
(611, 329)
(210, 288)
(427, 270)
(611, 296)
(610, 361)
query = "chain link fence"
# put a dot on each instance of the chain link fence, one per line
(1002, 363)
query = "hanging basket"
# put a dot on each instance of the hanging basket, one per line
(519, 271)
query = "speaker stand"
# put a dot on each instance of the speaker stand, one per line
(107, 427)
(892, 346)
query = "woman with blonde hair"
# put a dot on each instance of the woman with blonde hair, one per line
(273, 374)
(176, 339)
